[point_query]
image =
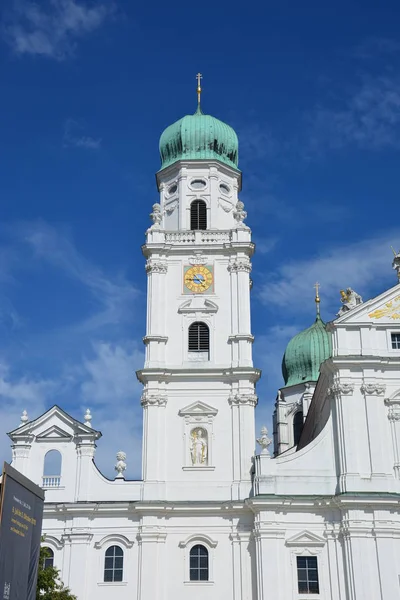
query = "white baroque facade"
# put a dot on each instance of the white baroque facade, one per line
(210, 517)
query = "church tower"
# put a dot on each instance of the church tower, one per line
(198, 379)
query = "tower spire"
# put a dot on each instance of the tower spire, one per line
(199, 77)
(317, 298)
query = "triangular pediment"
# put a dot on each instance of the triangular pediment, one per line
(198, 304)
(381, 310)
(54, 433)
(54, 424)
(306, 538)
(198, 408)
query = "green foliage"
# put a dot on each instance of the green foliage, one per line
(49, 584)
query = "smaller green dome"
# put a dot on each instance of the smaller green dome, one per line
(199, 137)
(305, 353)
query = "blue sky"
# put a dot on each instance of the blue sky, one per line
(313, 91)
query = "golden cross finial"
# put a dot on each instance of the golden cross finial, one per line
(317, 298)
(199, 77)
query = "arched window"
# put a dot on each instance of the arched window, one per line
(52, 469)
(113, 564)
(199, 563)
(199, 337)
(49, 558)
(198, 215)
(297, 426)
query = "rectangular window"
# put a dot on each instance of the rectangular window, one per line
(396, 341)
(307, 575)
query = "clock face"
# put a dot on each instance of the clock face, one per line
(198, 279)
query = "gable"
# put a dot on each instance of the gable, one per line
(388, 312)
(198, 409)
(381, 310)
(54, 434)
(306, 538)
(54, 425)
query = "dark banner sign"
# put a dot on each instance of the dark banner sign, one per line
(21, 512)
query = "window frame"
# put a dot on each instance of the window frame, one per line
(198, 350)
(198, 201)
(312, 547)
(187, 545)
(202, 553)
(307, 557)
(49, 558)
(114, 568)
(391, 334)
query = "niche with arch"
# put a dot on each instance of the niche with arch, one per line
(52, 469)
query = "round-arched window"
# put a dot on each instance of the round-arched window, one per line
(198, 215)
(199, 563)
(113, 564)
(52, 469)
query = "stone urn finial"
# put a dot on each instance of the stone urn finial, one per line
(88, 417)
(239, 214)
(264, 441)
(24, 418)
(156, 216)
(120, 465)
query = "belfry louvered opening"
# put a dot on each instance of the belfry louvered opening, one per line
(198, 215)
(199, 337)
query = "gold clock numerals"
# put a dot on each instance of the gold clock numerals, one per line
(198, 279)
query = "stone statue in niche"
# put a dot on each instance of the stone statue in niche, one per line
(198, 447)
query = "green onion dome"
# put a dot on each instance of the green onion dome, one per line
(305, 353)
(199, 137)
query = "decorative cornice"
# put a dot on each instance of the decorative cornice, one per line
(163, 339)
(153, 399)
(156, 266)
(77, 537)
(341, 389)
(243, 400)
(86, 450)
(151, 535)
(241, 337)
(240, 264)
(373, 389)
(51, 540)
(394, 413)
(198, 259)
(114, 537)
(201, 537)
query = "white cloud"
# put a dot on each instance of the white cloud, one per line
(106, 383)
(110, 389)
(100, 375)
(73, 138)
(111, 373)
(24, 391)
(368, 118)
(51, 28)
(115, 295)
(18, 394)
(360, 265)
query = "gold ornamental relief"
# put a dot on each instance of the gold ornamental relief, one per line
(391, 309)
